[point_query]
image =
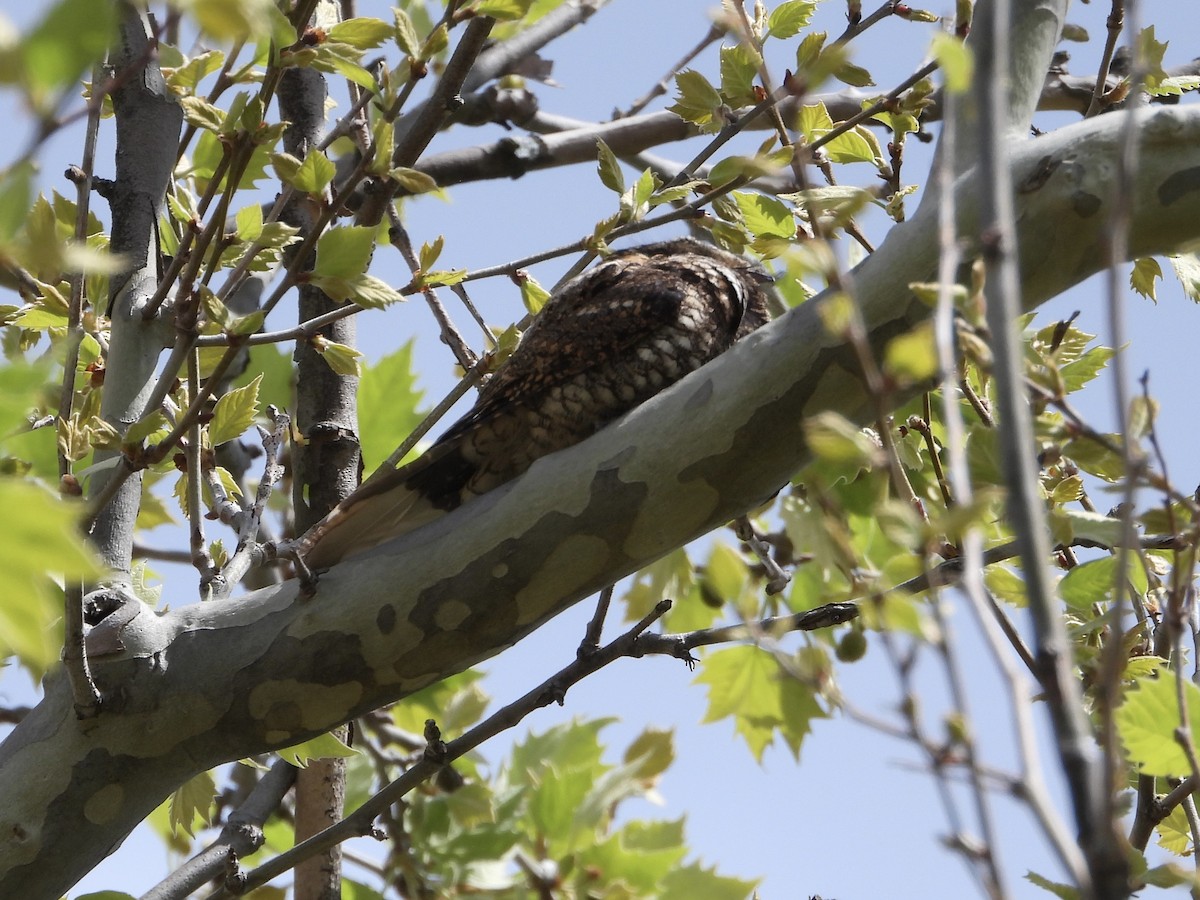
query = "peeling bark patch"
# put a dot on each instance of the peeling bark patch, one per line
(385, 619)
(1178, 185)
(700, 396)
(285, 707)
(1084, 204)
(104, 805)
(517, 581)
(694, 510)
(452, 613)
(570, 565)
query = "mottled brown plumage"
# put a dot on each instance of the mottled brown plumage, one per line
(609, 340)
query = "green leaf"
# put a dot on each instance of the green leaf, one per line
(389, 405)
(191, 802)
(765, 215)
(1062, 891)
(1096, 459)
(653, 750)
(237, 19)
(344, 252)
(249, 222)
(444, 277)
(185, 78)
(911, 358)
(739, 68)
(834, 438)
(789, 17)
(533, 295)
(234, 413)
(1146, 271)
(695, 880)
(698, 100)
(955, 60)
(1068, 525)
(609, 168)
(41, 538)
(73, 35)
(16, 192)
(324, 746)
(406, 33)
(855, 76)
(1079, 372)
(1006, 584)
(412, 180)
(361, 33)
(1092, 582)
(1146, 722)
(342, 59)
(342, 359)
(502, 9)
(312, 175)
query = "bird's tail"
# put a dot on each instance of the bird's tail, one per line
(388, 505)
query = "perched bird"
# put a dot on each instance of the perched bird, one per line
(608, 340)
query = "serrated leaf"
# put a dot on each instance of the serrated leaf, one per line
(325, 746)
(342, 59)
(344, 252)
(1062, 891)
(445, 277)
(389, 405)
(1146, 722)
(1146, 271)
(739, 67)
(361, 33)
(789, 17)
(430, 252)
(185, 78)
(765, 215)
(1093, 581)
(234, 413)
(1068, 525)
(698, 100)
(202, 114)
(193, 802)
(312, 175)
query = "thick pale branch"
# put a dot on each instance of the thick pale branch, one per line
(226, 679)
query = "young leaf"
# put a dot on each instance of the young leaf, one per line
(1146, 271)
(789, 17)
(344, 252)
(234, 413)
(609, 167)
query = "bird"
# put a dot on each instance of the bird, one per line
(604, 343)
